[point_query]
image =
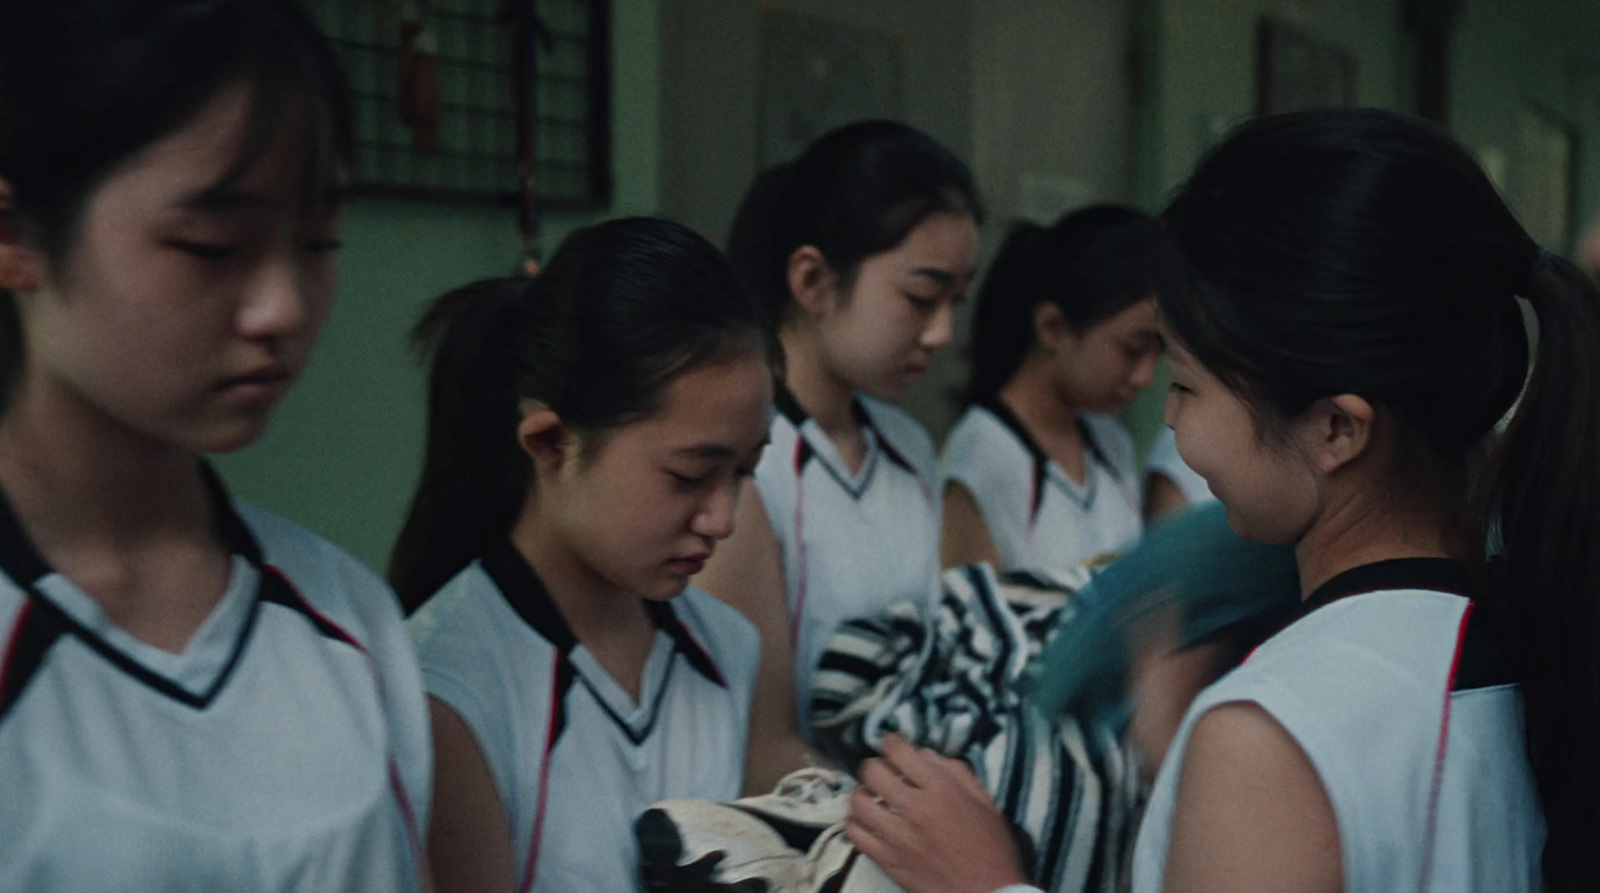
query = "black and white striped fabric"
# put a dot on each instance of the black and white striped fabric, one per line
(952, 683)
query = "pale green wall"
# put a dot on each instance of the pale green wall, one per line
(1201, 68)
(345, 449)
(1503, 61)
(1208, 63)
(711, 74)
(344, 453)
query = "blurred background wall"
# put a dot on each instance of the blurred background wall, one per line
(1054, 103)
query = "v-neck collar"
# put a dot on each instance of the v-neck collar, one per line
(527, 595)
(815, 443)
(1046, 468)
(56, 607)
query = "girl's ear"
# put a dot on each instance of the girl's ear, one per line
(545, 438)
(1050, 328)
(1338, 430)
(21, 265)
(812, 281)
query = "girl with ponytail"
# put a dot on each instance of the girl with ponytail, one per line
(195, 694)
(1345, 337)
(858, 251)
(589, 431)
(1345, 334)
(1036, 471)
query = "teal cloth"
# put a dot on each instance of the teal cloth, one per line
(1215, 582)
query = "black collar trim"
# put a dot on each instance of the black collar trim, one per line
(1480, 664)
(44, 622)
(528, 596)
(807, 452)
(1433, 574)
(784, 401)
(1008, 418)
(787, 405)
(668, 622)
(642, 734)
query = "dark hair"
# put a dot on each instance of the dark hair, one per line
(1093, 264)
(855, 192)
(1363, 252)
(86, 84)
(620, 310)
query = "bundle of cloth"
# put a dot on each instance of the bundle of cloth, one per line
(1023, 675)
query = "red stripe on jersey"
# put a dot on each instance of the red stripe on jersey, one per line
(333, 629)
(700, 656)
(900, 459)
(799, 541)
(413, 833)
(1036, 490)
(11, 644)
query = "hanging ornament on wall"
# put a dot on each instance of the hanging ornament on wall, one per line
(528, 35)
(406, 60)
(425, 75)
(418, 69)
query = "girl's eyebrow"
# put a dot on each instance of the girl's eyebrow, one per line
(943, 277)
(716, 450)
(707, 451)
(231, 199)
(225, 200)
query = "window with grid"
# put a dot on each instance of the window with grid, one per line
(436, 98)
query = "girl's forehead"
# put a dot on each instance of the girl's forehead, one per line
(217, 160)
(1168, 336)
(1178, 355)
(946, 237)
(943, 246)
(1140, 316)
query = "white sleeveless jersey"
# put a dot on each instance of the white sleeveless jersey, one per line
(1037, 516)
(574, 759)
(853, 543)
(286, 748)
(1164, 460)
(1391, 687)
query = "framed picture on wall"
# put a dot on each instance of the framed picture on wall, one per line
(1296, 70)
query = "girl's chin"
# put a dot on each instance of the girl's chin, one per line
(1108, 406)
(665, 589)
(232, 436)
(891, 391)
